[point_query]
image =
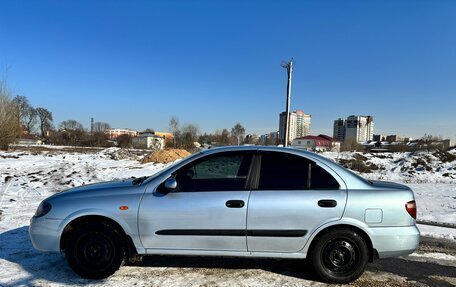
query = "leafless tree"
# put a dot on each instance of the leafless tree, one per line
(173, 124)
(45, 120)
(174, 128)
(27, 113)
(124, 141)
(100, 127)
(9, 118)
(188, 136)
(351, 145)
(238, 132)
(71, 125)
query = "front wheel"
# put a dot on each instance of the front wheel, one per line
(340, 256)
(95, 251)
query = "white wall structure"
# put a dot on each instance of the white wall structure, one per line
(149, 141)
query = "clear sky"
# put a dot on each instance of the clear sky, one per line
(214, 63)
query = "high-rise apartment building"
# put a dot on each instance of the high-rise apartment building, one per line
(339, 130)
(299, 125)
(359, 128)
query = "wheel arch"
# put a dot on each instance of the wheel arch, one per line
(100, 219)
(372, 251)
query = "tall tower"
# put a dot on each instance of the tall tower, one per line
(91, 125)
(339, 130)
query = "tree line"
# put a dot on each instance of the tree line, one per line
(188, 136)
(18, 118)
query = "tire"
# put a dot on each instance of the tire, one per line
(95, 251)
(340, 256)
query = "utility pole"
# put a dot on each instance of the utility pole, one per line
(289, 67)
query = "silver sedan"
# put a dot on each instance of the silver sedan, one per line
(233, 201)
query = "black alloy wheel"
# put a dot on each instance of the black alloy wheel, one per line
(340, 256)
(95, 251)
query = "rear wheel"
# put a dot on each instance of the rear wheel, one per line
(340, 256)
(95, 251)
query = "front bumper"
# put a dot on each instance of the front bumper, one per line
(44, 233)
(395, 241)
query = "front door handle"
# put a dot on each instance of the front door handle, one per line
(235, 203)
(327, 203)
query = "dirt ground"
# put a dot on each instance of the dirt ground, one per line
(165, 156)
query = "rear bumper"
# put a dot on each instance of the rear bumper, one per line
(44, 233)
(395, 241)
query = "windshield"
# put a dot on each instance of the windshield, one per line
(165, 169)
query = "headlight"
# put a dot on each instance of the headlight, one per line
(43, 209)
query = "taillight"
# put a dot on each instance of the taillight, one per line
(411, 208)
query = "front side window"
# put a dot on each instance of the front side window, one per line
(224, 172)
(283, 171)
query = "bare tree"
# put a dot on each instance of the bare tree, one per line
(238, 132)
(124, 141)
(45, 118)
(351, 145)
(189, 136)
(174, 128)
(71, 125)
(9, 118)
(173, 124)
(100, 127)
(27, 113)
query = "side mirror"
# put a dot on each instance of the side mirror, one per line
(171, 184)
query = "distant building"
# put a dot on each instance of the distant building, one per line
(379, 138)
(394, 138)
(114, 133)
(359, 128)
(299, 125)
(29, 139)
(316, 143)
(251, 139)
(269, 139)
(149, 140)
(339, 130)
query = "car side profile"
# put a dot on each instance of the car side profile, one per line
(233, 201)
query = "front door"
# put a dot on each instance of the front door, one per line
(208, 211)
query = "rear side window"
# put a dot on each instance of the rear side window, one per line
(321, 179)
(283, 171)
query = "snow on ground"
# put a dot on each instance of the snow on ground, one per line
(26, 178)
(407, 167)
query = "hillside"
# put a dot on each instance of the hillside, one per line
(408, 167)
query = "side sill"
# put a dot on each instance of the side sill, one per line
(198, 252)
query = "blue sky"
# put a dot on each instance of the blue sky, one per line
(214, 63)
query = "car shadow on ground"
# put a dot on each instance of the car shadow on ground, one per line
(298, 269)
(15, 247)
(427, 273)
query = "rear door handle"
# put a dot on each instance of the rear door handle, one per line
(235, 203)
(327, 203)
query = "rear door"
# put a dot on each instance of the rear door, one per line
(294, 195)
